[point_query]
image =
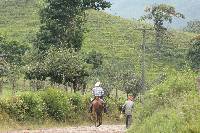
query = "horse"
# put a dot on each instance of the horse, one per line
(97, 109)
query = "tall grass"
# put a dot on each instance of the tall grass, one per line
(172, 107)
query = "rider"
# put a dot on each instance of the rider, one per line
(98, 91)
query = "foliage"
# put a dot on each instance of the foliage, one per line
(66, 66)
(193, 54)
(77, 106)
(94, 58)
(62, 27)
(26, 107)
(62, 66)
(36, 71)
(51, 104)
(193, 26)
(62, 23)
(112, 36)
(169, 107)
(56, 104)
(3, 67)
(120, 75)
(161, 13)
(13, 51)
(131, 83)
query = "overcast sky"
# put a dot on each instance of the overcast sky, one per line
(135, 8)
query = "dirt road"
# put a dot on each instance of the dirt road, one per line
(81, 129)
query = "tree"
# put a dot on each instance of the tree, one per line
(94, 58)
(14, 52)
(194, 53)
(35, 68)
(64, 66)
(159, 14)
(193, 26)
(3, 71)
(62, 28)
(62, 23)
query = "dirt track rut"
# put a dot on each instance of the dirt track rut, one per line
(80, 129)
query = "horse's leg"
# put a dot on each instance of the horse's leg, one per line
(100, 119)
(95, 119)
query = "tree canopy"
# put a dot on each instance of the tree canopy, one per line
(194, 53)
(62, 22)
(161, 13)
(193, 26)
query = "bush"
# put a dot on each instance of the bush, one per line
(52, 104)
(170, 107)
(4, 117)
(114, 106)
(165, 121)
(57, 104)
(34, 106)
(25, 107)
(77, 108)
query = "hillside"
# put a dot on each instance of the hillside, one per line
(113, 36)
(171, 105)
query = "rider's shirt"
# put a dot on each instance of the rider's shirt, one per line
(98, 91)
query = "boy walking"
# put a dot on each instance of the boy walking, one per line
(128, 108)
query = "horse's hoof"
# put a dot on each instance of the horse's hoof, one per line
(99, 125)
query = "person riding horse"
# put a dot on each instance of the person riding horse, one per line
(98, 91)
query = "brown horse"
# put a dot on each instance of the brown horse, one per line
(97, 109)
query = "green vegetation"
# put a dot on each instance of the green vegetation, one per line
(160, 14)
(193, 26)
(193, 54)
(170, 107)
(62, 23)
(110, 52)
(51, 104)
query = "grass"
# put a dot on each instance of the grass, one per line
(113, 36)
(172, 106)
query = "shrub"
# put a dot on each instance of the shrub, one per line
(56, 104)
(76, 105)
(25, 107)
(34, 106)
(170, 107)
(165, 121)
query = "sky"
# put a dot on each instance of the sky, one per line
(135, 8)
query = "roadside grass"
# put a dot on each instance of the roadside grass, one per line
(171, 107)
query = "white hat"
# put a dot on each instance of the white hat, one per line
(97, 84)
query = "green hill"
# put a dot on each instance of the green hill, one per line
(115, 37)
(172, 106)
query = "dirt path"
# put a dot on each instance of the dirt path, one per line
(81, 129)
